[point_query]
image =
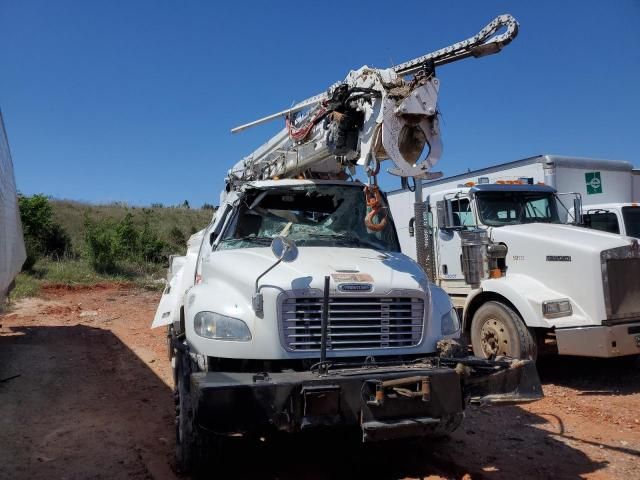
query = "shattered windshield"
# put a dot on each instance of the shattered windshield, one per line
(513, 208)
(311, 215)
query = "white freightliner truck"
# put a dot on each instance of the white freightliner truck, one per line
(501, 243)
(295, 308)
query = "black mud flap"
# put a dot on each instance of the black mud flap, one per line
(500, 382)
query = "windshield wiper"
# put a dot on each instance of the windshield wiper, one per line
(248, 239)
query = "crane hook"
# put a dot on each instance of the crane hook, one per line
(374, 202)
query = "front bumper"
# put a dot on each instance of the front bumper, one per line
(386, 402)
(600, 341)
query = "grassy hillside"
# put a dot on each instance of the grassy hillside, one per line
(71, 216)
(165, 228)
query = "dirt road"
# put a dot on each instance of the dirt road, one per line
(85, 392)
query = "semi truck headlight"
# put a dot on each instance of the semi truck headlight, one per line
(216, 326)
(450, 322)
(557, 308)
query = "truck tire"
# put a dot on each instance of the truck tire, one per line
(187, 451)
(496, 330)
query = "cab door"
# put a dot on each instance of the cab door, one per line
(459, 212)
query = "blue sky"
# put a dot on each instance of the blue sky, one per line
(133, 100)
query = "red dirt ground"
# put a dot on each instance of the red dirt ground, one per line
(85, 392)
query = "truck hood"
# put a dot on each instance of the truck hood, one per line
(383, 270)
(559, 261)
(560, 236)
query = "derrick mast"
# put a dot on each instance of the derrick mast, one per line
(372, 115)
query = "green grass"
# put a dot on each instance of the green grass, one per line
(71, 215)
(80, 272)
(26, 286)
(77, 270)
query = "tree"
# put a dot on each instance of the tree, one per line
(42, 235)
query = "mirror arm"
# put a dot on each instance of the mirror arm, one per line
(265, 272)
(257, 297)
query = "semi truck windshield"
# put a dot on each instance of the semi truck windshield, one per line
(513, 208)
(313, 215)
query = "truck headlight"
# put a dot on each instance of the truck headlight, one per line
(450, 322)
(556, 308)
(216, 326)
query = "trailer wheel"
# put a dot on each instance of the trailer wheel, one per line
(497, 330)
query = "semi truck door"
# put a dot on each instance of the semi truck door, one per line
(450, 250)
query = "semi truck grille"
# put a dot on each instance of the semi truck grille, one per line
(354, 323)
(621, 271)
(624, 286)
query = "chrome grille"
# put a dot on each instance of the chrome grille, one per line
(624, 286)
(354, 322)
(620, 273)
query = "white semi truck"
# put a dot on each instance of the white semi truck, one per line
(525, 278)
(609, 189)
(12, 251)
(618, 218)
(295, 309)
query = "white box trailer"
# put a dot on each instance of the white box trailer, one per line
(12, 251)
(635, 180)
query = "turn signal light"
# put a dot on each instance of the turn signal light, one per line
(495, 273)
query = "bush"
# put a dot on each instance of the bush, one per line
(177, 238)
(151, 247)
(109, 243)
(102, 245)
(207, 206)
(43, 236)
(127, 238)
(57, 242)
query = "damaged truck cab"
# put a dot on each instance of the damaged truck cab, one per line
(287, 313)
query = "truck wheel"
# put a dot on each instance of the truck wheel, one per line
(186, 445)
(496, 330)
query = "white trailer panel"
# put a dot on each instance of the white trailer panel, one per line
(12, 252)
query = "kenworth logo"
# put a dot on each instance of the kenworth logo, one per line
(355, 287)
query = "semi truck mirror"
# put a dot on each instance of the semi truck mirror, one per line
(284, 249)
(577, 210)
(445, 214)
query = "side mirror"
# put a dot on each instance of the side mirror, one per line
(284, 249)
(445, 215)
(577, 210)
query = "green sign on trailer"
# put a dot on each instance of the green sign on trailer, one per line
(594, 182)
